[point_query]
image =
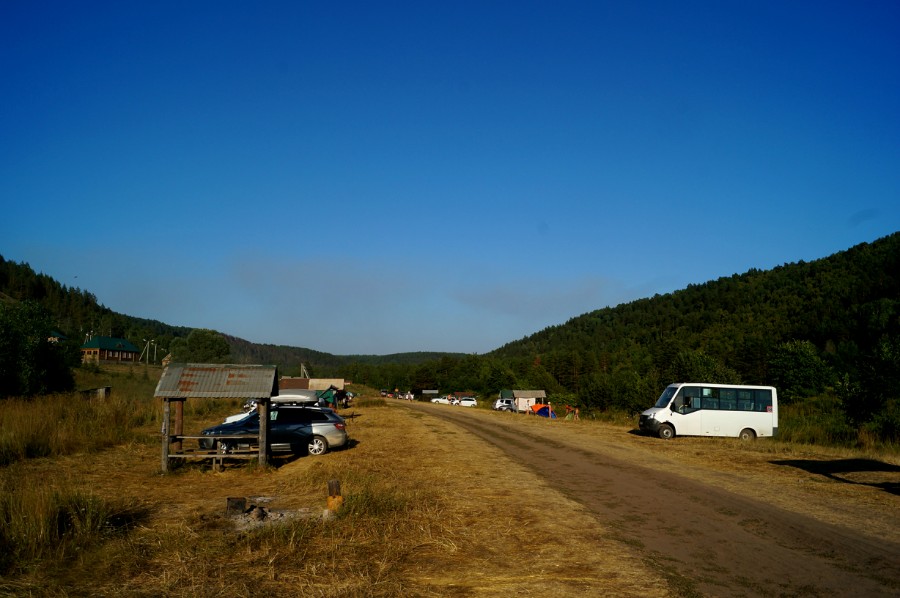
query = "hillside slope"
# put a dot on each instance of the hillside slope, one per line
(844, 305)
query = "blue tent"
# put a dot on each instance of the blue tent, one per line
(543, 411)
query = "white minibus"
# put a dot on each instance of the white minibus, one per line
(703, 409)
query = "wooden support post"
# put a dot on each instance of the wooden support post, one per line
(165, 437)
(263, 408)
(179, 425)
(335, 500)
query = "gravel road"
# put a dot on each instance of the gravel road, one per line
(705, 540)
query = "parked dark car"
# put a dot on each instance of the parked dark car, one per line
(293, 428)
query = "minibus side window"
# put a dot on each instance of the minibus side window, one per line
(710, 398)
(727, 399)
(690, 400)
(763, 400)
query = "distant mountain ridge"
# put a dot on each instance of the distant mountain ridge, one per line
(842, 303)
(79, 315)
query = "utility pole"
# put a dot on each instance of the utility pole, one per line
(147, 351)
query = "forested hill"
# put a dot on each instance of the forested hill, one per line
(77, 313)
(826, 333)
(843, 306)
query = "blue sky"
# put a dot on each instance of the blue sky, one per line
(380, 177)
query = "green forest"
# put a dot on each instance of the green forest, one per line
(826, 333)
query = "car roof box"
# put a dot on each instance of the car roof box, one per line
(296, 396)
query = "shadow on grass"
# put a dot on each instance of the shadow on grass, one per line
(877, 474)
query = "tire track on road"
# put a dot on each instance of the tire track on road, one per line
(704, 539)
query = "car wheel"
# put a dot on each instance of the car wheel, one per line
(666, 432)
(747, 434)
(317, 446)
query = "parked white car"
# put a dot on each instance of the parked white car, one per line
(441, 400)
(468, 402)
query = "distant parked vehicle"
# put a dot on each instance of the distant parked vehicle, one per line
(468, 402)
(292, 428)
(504, 405)
(441, 400)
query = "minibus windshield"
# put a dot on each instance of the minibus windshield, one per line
(666, 396)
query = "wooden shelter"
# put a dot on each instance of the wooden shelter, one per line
(180, 382)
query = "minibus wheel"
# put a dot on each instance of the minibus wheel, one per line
(666, 432)
(747, 434)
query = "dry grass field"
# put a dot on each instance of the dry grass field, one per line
(428, 512)
(430, 509)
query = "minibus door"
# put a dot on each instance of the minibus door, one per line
(686, 412)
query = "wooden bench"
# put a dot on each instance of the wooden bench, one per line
(218, 457)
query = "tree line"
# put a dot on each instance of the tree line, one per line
(35, 307)
(829, 326)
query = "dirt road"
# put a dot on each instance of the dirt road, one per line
(706, 537)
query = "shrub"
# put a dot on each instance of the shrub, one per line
(816, 420)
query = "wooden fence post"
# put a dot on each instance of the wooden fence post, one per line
(165, 437)
(335, 500)
(262, 406)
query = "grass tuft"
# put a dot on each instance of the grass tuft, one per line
(40, 522)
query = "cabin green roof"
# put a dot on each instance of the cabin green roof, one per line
(108, 343)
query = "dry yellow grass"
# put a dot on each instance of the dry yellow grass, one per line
(429, 511)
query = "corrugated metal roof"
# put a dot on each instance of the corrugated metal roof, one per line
(529, 394)
(326, 383)
(214, 381)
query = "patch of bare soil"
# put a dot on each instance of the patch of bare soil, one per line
(715, 517)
